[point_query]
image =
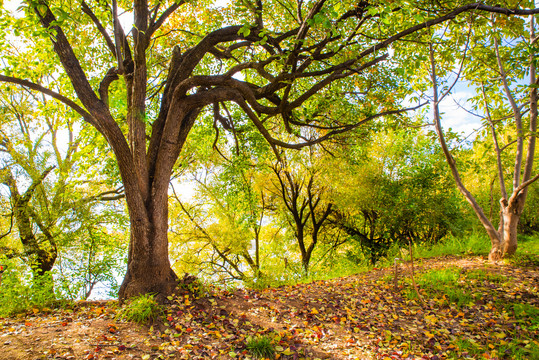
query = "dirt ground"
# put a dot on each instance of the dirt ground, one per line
(357, 317)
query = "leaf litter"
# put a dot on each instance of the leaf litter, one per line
(495, 315)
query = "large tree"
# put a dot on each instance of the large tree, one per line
(271, 60)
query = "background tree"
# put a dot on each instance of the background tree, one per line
(392, 189)
(298, 197)
(505, 115)
(52, 183)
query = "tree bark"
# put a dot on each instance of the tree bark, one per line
(509, 236)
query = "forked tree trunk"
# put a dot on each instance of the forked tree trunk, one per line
(505, 244)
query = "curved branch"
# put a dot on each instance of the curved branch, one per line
(111, 76)
(110, 44)
(154, 26)
(441, 19)
(53, 94)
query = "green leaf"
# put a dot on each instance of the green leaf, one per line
(42, 9)
(372, 11)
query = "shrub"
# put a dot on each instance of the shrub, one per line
(20, 293)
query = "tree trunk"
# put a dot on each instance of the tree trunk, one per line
(509, 235)
(506, 244)
(148, 267)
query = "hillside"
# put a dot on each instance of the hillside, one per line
(471, 309)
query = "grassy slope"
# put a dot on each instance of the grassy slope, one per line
(470, 309)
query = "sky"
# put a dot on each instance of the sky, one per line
(456, 117)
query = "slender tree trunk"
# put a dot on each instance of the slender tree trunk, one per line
(493, 234)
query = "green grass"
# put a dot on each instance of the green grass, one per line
(260, 347)
(446, 284)
(474, 244)
(527, 254)
(526, 313)
(520, 349)
(141, 309)
(483, 275)
(470, 347)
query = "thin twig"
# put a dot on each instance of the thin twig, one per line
(412, 273)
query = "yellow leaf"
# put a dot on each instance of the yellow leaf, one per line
(500, 335)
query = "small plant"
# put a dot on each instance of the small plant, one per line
(261, 347)
(469, 346)
(141, 309)
(194, 286)
(458, 297)
(440, 279)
